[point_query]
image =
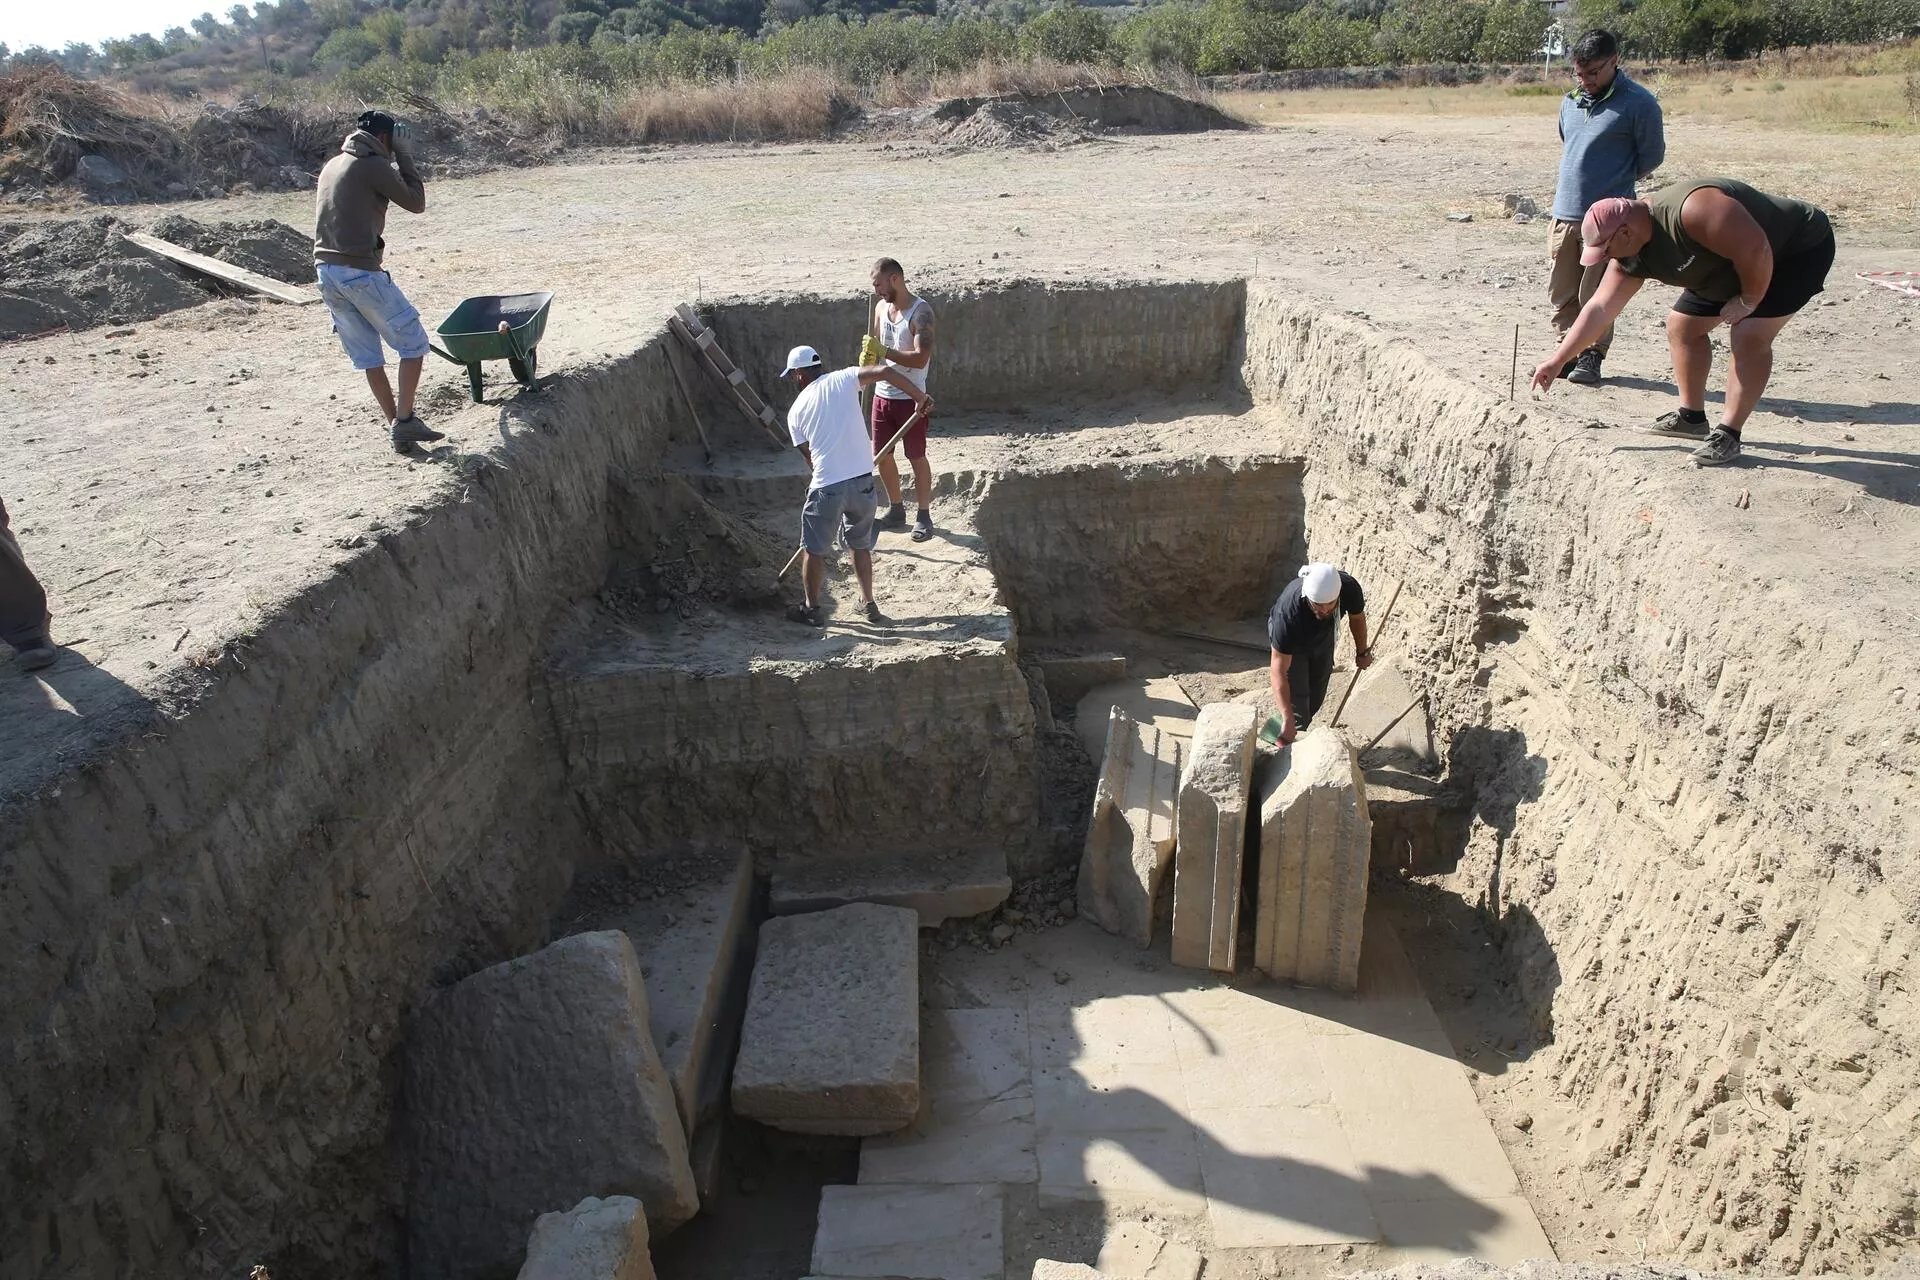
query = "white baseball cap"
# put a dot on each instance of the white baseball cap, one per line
(1321, 583)
(801, 358)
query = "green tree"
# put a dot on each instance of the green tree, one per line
(1320, 36)
(423, 44)
(347, 47)
(1512, 32)
(386, 29)
(1068, 32)
(1432, 30)
(1166, 35)
(573, 28)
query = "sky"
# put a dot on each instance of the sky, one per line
(54, 22)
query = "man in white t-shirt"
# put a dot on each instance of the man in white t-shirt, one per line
(827, 425)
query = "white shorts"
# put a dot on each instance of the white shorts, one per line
(367, 306)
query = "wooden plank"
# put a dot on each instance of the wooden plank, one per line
(764, 417)
(275, 289)
(686, 393)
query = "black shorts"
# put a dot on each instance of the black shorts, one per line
(1796, 279)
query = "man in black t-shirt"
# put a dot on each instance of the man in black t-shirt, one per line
(1302, 629)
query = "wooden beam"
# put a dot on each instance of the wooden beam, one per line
(278, 290)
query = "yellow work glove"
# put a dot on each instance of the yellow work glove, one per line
(871, 352)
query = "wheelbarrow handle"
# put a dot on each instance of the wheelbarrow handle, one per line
(443, 355)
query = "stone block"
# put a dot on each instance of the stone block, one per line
(1380, 694)
(595, 1240)
(695, 942)
(530, 1084)
(1210, 848)
(1070, 679)
(1159, 702)
(1130, 839)
(831, 1043)
(1046, 1269)
(1315, 845)
(936, 887)
(930, 1233)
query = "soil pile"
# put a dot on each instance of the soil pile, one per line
(84, 272)
(1052, 119)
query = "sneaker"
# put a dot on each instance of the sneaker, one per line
(1569, 366)
(1718, 448)
(1586, 369)
(893, 520)
(37, 656)
(922, 527)
(1671, 423)
(409, 431)
(807, 614)
(874, 615)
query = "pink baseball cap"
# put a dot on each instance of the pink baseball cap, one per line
(1604, 219)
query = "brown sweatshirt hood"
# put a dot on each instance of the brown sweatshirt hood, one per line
(350, 203)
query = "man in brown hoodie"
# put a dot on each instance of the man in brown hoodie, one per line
(373, 169)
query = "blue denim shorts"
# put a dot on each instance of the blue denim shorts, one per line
(367, 306)
(846, 503)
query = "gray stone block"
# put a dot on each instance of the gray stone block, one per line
(831, 1042)
(1315, 846)
(936, 887)
(530, 1084)
(595, 1240)
(930, 1233)
(1130, 839)
(1070, 679)
(1045, 1269)
(1211, 847)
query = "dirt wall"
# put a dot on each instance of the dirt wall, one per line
(216, 930)
(1146, 542)
(1690, 823)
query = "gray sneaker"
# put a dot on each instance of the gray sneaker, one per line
(892, 520)
(409, 431)
(1671, 423)
(37, 656)
(1720, 447)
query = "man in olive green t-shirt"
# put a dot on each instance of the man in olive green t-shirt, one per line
(1743, 258)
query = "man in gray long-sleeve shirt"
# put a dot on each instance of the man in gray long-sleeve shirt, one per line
(1611, 136)
(372, 170)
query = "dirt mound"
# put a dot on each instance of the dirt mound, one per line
(1051, 119)
(84, 272)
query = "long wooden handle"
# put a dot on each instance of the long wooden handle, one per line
(1372, 640)
(904, 428)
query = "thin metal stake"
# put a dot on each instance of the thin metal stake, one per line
(1513, 374)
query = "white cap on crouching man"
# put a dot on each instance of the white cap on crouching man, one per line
(801, 358)
(1321, 583)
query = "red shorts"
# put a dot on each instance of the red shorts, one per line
(888, 417)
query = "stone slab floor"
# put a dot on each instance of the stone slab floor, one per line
(1076, 1088)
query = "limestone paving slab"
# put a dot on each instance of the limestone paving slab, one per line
(534, 1084)
(1119, 1028)
(926, 1233)
(937, 887)
(1315, 851)
(1278, 1176)
(988, 1141)
(1116, 1126)
(1498, 1229)
(1210, 843)
(1132, 1252)
(831, 1043)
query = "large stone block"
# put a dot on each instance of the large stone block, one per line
(937, 887)
(832, 1036)
(930, 1233)
(1130, 840)
(1046, 1269)
(1315, 843)
(1212, 838)
(530, 1084)
(595, 1240)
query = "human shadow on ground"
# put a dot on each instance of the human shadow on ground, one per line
(1894, 477)
(57, 716)
(1891, 413)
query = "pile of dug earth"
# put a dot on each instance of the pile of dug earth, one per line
(84, 272)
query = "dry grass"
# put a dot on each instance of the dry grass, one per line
(1819, 91)
(49, 119)
(792, 107)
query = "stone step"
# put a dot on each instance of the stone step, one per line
(831, 1043)
(929, 1233)
(936, 887)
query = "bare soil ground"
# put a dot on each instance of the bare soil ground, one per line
(175, 486)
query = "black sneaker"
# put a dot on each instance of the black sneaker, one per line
(922, 527)
(1569, 366)
(893, 520)
(874, 615)
(807, 614)
(1671, 423)
(1720, 447)
(409, 431)
(1586, 369)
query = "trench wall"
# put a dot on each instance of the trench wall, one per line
(1128, 545)
(1688, 819)
(214, 933)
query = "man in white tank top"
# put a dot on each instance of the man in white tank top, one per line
(903, 326)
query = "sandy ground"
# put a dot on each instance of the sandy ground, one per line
(176, 486)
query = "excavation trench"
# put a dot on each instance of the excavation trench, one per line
(572, 702)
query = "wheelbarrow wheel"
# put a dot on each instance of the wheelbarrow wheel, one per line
(474, 380)
(523, 370)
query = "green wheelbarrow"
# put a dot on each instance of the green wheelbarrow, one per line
(496, 327)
